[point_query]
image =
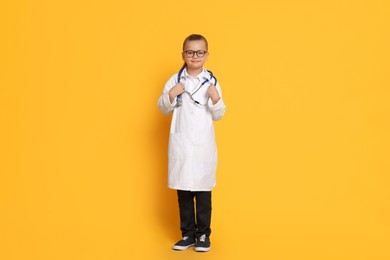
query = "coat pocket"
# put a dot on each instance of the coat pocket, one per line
(204, 148)
(177, 145)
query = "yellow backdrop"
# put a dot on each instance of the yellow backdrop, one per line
(303, 167)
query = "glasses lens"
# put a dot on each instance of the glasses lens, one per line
(200, 53)
(190, 53)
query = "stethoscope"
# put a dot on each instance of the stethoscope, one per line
(179, 98)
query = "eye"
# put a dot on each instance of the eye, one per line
(201, 53)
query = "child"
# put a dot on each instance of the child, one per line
(194, 97)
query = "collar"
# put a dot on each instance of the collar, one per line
(203, 75)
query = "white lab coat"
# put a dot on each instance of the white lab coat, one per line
(192, 151)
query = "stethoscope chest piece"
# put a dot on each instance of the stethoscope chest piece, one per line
(191, 95)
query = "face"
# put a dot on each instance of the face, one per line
(195, 62)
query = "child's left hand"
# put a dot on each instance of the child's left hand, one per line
(213, 93)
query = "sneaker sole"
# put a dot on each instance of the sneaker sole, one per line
(181, 248)
(202, 249)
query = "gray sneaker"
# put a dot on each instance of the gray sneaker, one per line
(184, 243)
(203, 244)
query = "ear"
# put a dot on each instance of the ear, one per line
(183, 57)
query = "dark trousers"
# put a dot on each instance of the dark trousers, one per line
(189, 225)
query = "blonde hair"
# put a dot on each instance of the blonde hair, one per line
(194, 37)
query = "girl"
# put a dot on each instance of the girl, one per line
(194, 97)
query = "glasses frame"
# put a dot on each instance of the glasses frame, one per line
(195, 52)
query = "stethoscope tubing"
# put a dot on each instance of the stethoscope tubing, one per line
(191, 94)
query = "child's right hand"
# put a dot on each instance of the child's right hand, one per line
(175, 91)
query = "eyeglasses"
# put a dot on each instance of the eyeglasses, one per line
(199, 53)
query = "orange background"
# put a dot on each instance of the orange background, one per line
(303, 167)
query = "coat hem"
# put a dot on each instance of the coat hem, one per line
(190, 189)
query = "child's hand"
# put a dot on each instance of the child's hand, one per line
(213, 94)
(175, 91)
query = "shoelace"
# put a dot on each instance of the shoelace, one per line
(203, 238)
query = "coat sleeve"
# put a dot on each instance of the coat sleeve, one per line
(164, 104)
(218, 109)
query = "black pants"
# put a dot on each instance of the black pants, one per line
(190, 226)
